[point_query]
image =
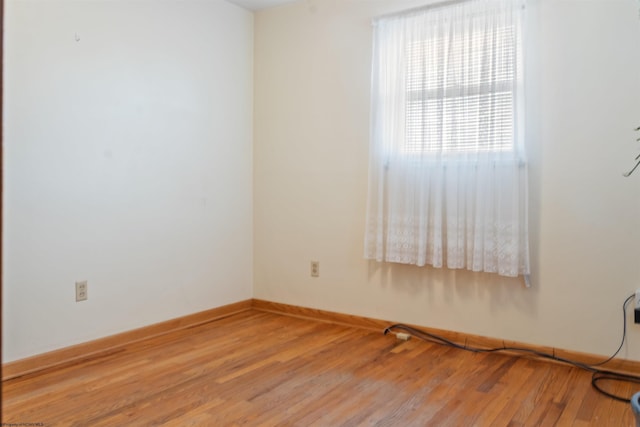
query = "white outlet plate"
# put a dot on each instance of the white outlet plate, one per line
(315, 268)
(82, 291)
(638, 298)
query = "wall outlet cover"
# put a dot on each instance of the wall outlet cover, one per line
(315, 268)
(82, 291)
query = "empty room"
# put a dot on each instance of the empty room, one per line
(321, 213)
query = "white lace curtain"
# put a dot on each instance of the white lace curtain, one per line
(447, 170)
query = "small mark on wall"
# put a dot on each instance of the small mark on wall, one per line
(313, 9)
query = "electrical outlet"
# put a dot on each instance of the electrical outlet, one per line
(81, 291)
(315, 268)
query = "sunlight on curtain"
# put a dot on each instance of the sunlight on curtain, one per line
(447, 170)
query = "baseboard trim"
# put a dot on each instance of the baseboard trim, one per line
(618, 365)
(113, 343)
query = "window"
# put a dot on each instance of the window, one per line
(448, 176)
(451, 96)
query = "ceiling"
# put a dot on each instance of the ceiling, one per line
(259, 4)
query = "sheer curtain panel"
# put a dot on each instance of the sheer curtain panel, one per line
(447, 168)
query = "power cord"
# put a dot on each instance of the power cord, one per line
(598, 374)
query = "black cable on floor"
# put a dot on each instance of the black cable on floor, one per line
(599, 375)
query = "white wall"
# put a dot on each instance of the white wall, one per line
(312, 69)
(128, 163)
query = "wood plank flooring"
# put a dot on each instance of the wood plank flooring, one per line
(264, 369)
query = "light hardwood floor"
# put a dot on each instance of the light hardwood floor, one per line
(257, 368)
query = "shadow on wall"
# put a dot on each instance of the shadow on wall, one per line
(444, 285)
